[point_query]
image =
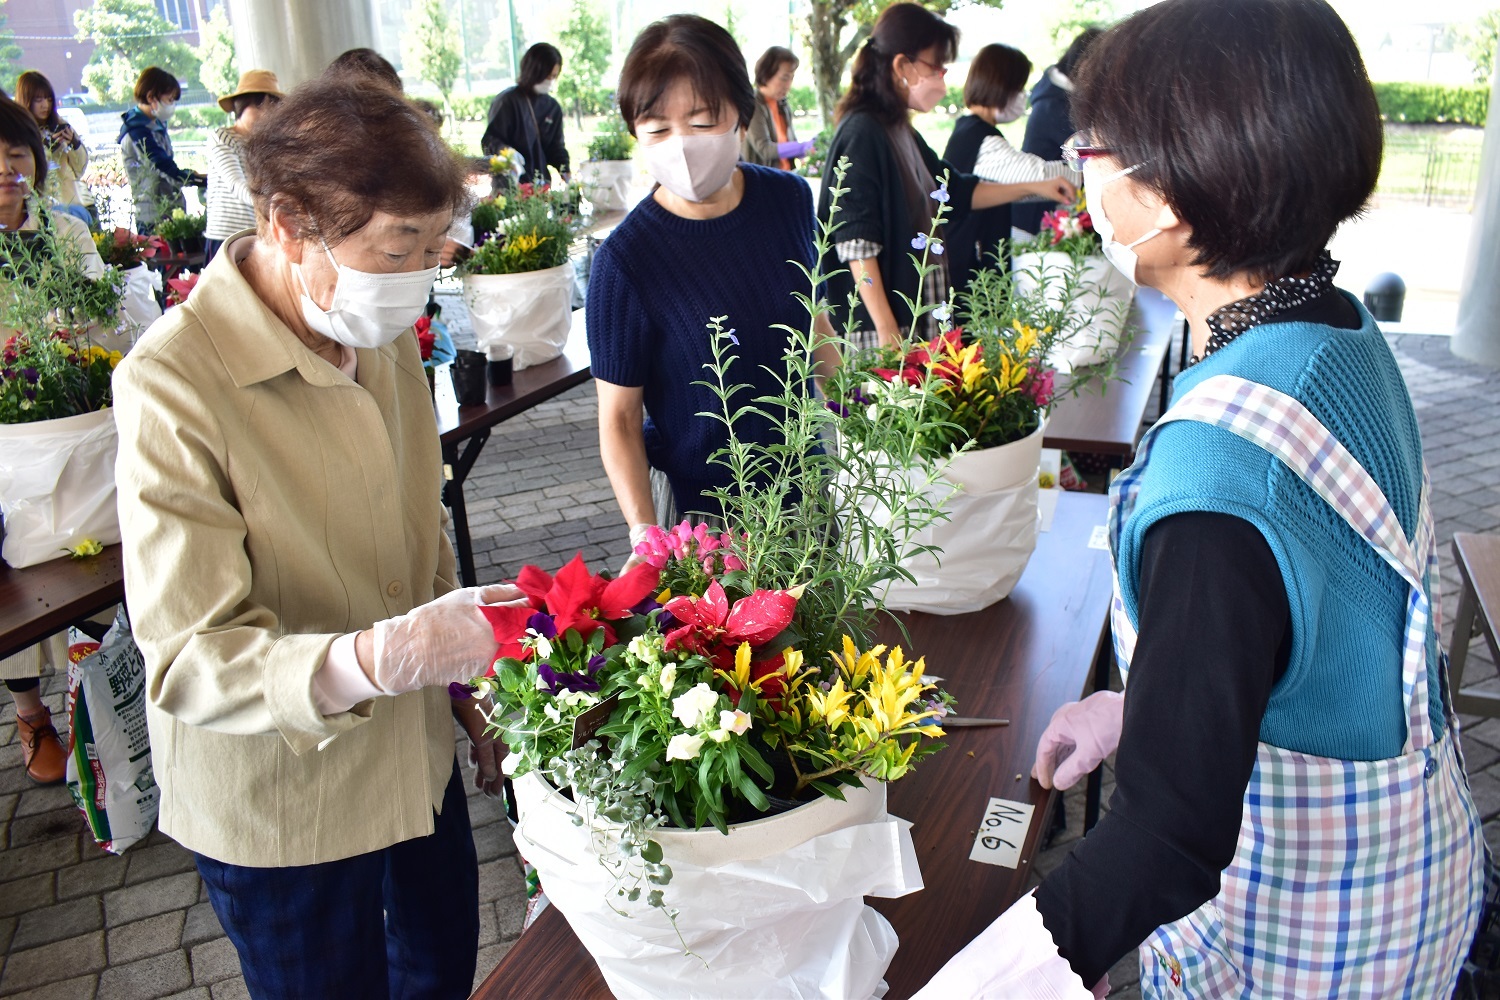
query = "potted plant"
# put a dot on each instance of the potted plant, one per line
(127, 252)
(975, 401)
(183, 232)
(1065, 261)
(57, 433)
(486, 215)
(607, 173)
(815, 162)
(518, 284)
(700, 746)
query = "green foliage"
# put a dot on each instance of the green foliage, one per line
(534, 234)
(429, 46)
(1079, 14)
(1479, 43)
(181, 226)
(802, 99)
(203, 116)
(486, 215)
(128, 36)
(218, 70)
(10, 52)
(470, 107)
(585, 45)
(1433, 103)
(613, 142)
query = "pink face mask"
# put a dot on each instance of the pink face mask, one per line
(929, 88)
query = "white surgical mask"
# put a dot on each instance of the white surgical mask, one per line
(693, 167)
(1015, 109)
(1121, 255)
(368, 310)
(164, 110)
(545, 87)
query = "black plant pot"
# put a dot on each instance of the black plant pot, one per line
(469, 382)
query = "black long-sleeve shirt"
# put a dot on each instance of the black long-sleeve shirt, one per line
(531, 124)
(1214, 638)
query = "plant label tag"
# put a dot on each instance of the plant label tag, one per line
(1099, 539)
(1002, 831)
(590, 722)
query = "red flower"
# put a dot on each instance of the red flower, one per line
(180, 287)
(711, 628)
(574, 598)
(920, 360)
(426, 339)
(1041, 387)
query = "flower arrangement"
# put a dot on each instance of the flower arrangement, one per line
(486, 215)
(613, 142)
(535, 233)
(505, 163)
(180, 287)
(730, 673)
(1068, 230)
(124, 249)
(815, 162)
(179, 226)
(55, 374)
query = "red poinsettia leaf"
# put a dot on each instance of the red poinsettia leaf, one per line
(585, 625)
(628, 590)
(685, 610)
(535, 582)
(509, 626)
(575, 591)
(889, 374)
(713, 606)
(761, 617)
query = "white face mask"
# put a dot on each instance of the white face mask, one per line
(164, 111)
(1121, 255)
(693, 167)
(1015, 109)
(545, 87)
(368, 310)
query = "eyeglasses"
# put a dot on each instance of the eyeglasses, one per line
(936, 68)
(1080, 148)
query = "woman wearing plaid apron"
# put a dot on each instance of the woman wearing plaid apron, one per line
(1291, 815)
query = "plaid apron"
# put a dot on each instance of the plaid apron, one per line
(1351, 878)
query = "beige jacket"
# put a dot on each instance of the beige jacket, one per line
(268, 504)
(70, 163)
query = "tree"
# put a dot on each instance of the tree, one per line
(585, 46)
(216, 53)
(128, 36)
(430, 46)
(10, 52)
(834, 31)
(1084, 14)
(1479, 44)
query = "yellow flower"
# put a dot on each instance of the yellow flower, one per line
(84, 549)
(856, 665)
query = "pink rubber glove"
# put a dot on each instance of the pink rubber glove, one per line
(442, 641)
(1079, 737)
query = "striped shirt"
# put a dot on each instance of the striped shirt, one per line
(1003, 163)
(230, 209)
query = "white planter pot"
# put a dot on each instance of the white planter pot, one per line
(57, 486)
(532, 312)
(774, 909)
(990, 497)
(138, 305)
(606, 183)
(1098, 315)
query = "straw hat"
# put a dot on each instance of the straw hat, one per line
(257, 81)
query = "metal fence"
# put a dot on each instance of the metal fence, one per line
(1438, 170)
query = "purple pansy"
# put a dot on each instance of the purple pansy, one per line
(542, 624)
(558, 681)
(458, 692)
(837, 407)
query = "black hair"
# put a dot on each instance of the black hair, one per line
(18, 127)
(685, 47)
(366, 63)
(1077, 49)
(240, 103)
(155, 83)
(903, 29)
(996, 75)
(537, 64)
(771, 61)
(1261, 131)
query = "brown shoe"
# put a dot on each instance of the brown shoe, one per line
(46, 758)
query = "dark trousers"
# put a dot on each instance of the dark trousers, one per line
(210, 247)
(402, 922)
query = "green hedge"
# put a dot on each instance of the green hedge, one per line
(1433, 103)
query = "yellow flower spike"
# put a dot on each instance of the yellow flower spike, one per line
(742, 666)
(664, 596)
(84, 549)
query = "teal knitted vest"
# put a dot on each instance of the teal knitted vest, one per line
(1341, 694)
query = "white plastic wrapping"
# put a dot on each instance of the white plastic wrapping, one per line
(606, 183)
(1099, 314)
(990, 497)
(57, 486)
(139, 308)
(774, 909)
(531, 312)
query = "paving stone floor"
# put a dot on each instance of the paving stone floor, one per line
(78, 923)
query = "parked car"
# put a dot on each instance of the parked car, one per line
(74, 99)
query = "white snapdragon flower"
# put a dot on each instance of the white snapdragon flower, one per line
(668, 677)
(719, 735)
(575, 699)
(644, 650)
(695, 707)
(684, 746)
(736, 722)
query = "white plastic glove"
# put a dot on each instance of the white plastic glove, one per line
(443, 641)
(1079, 737)
(637, 536)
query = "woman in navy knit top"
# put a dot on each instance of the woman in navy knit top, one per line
(1291, 816)
(716, 238)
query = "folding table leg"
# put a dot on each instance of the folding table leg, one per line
(457, 465)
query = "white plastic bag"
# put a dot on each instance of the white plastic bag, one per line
(109, 752)
(531, 312)
(139, 308)
(774, 909)
(1100, 311)
(57, 486)
(606, 183)
(990, 497)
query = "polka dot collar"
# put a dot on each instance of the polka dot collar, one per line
(1279, 296)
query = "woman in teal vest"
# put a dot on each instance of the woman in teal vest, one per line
(1291, 815)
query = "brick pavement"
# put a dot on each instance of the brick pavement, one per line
(77, 923)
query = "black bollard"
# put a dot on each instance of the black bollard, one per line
(1385, 297)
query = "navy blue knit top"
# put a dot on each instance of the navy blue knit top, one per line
(658, 280)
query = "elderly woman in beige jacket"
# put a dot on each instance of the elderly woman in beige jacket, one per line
(290, 581)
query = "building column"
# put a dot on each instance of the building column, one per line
(1478, 335)
(297, 39)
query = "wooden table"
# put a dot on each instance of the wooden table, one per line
(463, 430)
(43, 600)
(1019, 659)
(1109, 422)
(1478, 559)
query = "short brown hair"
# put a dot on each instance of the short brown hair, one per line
(17, 126)
(771, 61)
(685, 47)
(155, 83)
(1261, 131)
(313, 158)
(996, 75)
